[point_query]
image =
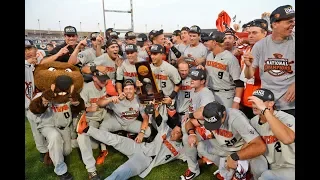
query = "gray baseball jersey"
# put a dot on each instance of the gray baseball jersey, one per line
(210, 56)
(235, 131)
(87, 56)
(200, 51)
(127, 111)
(127, 71)
(142, 53)
(181, 47)
(90, 94)
(166, 77)
(184, 96)
(276, 63)
(28, 84)
(277, 154)
(201, 98)
(105, 60)
(222, 71)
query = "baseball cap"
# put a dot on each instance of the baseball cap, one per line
(28, 43)
(156, 48)
(176, 33)
(282, 13)
(259, 23)
(130, 35)
(131, 48)
(110, 42)
(212, 114)
(154, 33)
(264, 94)
(70, 30)
(202, 35)
(216, 36)
(94, 35)
(114, 34)
(142, 37)
(128, 82)
(198, 74)
(185, 28)
(195, 29)
(102, 77)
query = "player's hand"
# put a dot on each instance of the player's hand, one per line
(236, 52)
(99, 40)
(122, 96)
(139, 138)
(94, 107)
(82, 43)
(138, 83)
(247, 58)
(167, 42)
(32, 60)
(115, 99)
(198, 61)
(192, 140)
(291, 93)
(231, 164)
(167, 100)
(45, 102)
(235, 105)
(118, 61)
(200, 67)
(63, 50)
(258, 102)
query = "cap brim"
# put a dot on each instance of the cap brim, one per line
(70, 33)
(212, 126)
(132, 37)
(103, 78)
(207, 38)
(195, 77)
(131, 51)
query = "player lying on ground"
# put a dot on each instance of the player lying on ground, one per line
(166, 146)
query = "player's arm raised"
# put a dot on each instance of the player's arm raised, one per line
(104, 102)
(251, 61)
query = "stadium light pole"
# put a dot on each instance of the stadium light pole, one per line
(39, 27)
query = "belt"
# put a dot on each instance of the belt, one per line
(222, 90)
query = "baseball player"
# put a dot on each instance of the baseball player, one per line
(91, 93)
(274, 56)
(89, 54)
(130, 38)
(223, 72)
(166, 147)
(178, 44)
(127, 70)
(277, 129)
(185, 35)
(201, 96)
(234, 138)
(124, 117)
(142, 43)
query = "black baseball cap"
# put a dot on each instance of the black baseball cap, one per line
(261, 23)
(28, 43)
(185, 28)
(102, 77)
(110, 42)
(176, 33)
(156, 48)
(203, 35)
(264, 94)
(130, 35)
(114, 35)
(195, 29)
(216, 36)
(155, 33)
(94, 35)
(282, 13)
(70, 30)
(213, 114)
(142, 37)
(131, 48)
(198, 74)
(128, 82)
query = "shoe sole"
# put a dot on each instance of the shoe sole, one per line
(79, 122)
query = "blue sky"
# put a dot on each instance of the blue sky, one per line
(170, 14)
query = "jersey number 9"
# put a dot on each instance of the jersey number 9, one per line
(220, 75)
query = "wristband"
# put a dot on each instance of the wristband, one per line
(93, 69)
(234, 156)
(189, 130)
(236, 99)
(262, 111)
(191, 115)
(142, 131)
(173, 95)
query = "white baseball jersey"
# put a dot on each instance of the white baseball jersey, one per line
(201, 98)
(127, 71)
(184, 96)
(90, 94)
(87, 56)
(222, 71)
(105, 60)
(167, 76)
(277, 154)
(181, 48)
(142, 53)
(199, 51)
(235, 131)
(126, 111)
(210, 56)
(28, 84)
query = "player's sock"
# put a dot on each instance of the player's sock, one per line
(86, 129)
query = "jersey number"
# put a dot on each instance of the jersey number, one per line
(231, 142)
(277, 146)
(220, 75)
(66, 115)
(163, 84)
(187, 95)
(168, 157)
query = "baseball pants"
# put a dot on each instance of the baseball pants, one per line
(86, 144)
(39, 139)
(59, 145)
(225, 97)
(260, 171)
(137, 162)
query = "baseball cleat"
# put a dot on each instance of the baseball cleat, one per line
(101, 157)
(94, 176)
(66, 176)
(82, 123)
(189, 175)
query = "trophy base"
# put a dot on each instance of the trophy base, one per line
(145, 99)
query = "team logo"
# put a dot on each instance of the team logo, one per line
(289, 10)
(43, 46)
(80, 56)
(211, 120)
(70, 30)
(251, 131)
(129, 47)
(28, 90)
(195, 73)
(258, 93)
(289, 125)
(278, 66)
(130, 114)
(154, 48)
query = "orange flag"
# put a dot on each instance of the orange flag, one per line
(223, 18)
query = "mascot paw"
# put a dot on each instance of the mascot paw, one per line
(48, 94)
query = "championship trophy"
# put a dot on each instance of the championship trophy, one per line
(149, 89)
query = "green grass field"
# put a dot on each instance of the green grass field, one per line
(35, 170)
